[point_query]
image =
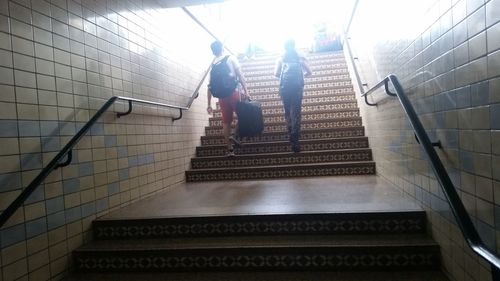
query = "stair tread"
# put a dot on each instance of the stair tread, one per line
(282, 166)
(407, 275)
(263, 241)
(272, 154)
(287, 142)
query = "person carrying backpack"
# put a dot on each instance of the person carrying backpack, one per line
(225, 81)
(290, 70)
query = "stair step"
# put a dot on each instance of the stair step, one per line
(305, 125)
(305, 134)
(309, 93)
(312, 63)
(353, 252)
(315, 80)
(319, 73)
(282, 171)
(286, 158)
(278, 117)
(272, 59)
(314, 68)
(323, 86)
(407, 275)
(284, 146)
(308, 104)
(270, 224)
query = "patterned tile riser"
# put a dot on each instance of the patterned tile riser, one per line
(270, 259)
(328, 62)
(313, 104)
(269, 70)
(282, 147)
(320, 124)
(215, 226)
(305, 117)
(278, 172)
(282, 159)
(331, 72)
(272, 59)
(323, 86)
(283, 136)
(319, 81)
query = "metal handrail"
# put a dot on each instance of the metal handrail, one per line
(67, 150)
(463, 219)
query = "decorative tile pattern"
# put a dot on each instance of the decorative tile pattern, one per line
(422, 258)
(330, 223)
(311, 170)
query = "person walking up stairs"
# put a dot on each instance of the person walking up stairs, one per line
(332, 137)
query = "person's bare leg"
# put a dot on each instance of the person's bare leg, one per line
(226, 130)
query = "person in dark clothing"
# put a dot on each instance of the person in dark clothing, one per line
(290, 70)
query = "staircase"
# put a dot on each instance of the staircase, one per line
(332, 139)
(348, 246)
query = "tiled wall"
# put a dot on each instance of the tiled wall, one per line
(447, 55)
(60, 60)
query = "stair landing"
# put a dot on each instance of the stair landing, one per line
(344, 194)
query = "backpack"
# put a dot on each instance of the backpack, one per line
(292, 77)
(222, 83)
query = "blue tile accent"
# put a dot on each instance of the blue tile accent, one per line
(418, 193)
(67, 128)
(122, 151)
(463, 97)
(102, 204)
(88, 209)
(448, 101)
(466, 161)
(79, 126)
(71, 185)
(73, 214)
(12, 235)
(97, 129)
(49, 128)
(56, 220)
(452, 137)
(426, 198)
(8, 128)
(123, 174)
(480, 93)
(495, 116)
(10, 182)
(54, 205)
(51, 144)
(37, 195)
(440, 119)
(31, 161)
(497, 216)
(113, 188)
(29, 128)
(36, 227)
(150, 158)
(132, 161)
(487, 233)
(110, 141)
(141, 160)
(85, 169)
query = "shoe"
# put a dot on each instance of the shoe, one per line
(230, 153)
(296, 147)
(235, 140)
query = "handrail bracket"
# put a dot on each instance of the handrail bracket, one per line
(69, 158)
(120, 114)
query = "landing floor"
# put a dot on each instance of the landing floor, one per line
(280, 196)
